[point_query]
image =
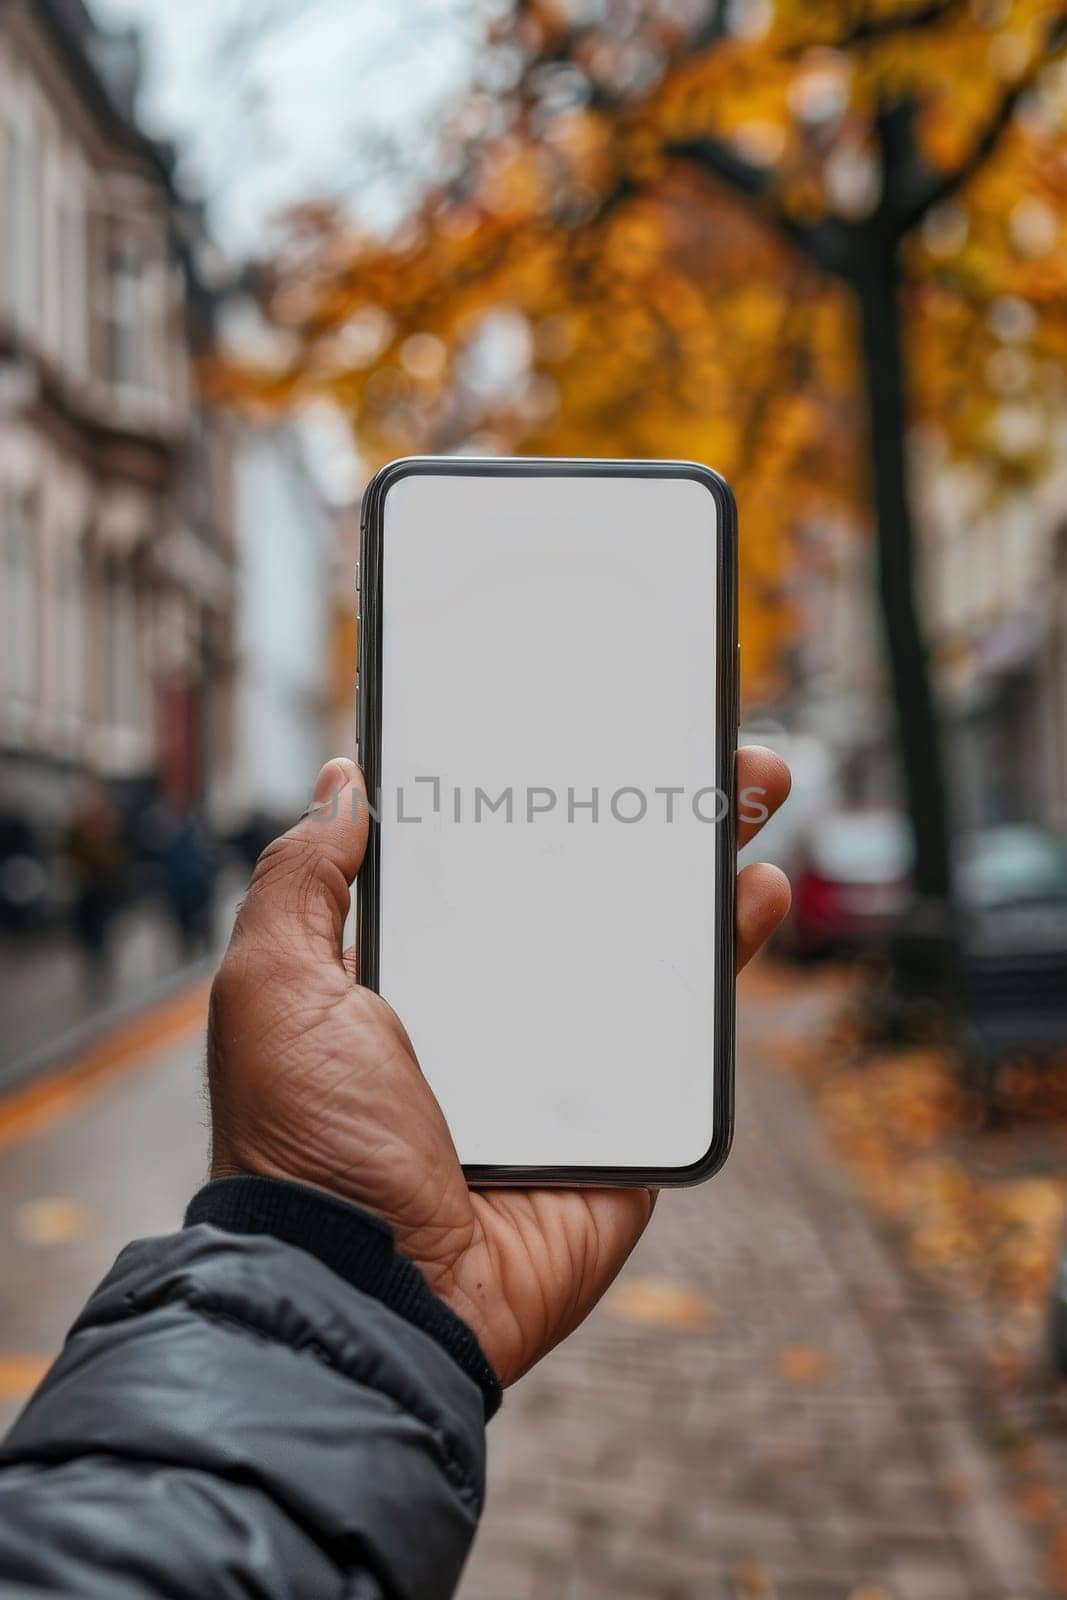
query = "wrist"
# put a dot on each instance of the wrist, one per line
(354, 1243)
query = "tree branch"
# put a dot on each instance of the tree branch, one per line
(883, 27)
(869, 29)
(830, 243)
(936, 188)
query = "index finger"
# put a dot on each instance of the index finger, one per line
(762, 783)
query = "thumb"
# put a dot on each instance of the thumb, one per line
(299, 895)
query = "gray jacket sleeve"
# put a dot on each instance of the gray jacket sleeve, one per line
(229, 1417)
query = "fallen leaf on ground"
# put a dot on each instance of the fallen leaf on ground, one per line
(1035, 1502)
(660, 1302)
(751, 1579)
(802, 1364)
(958, 1488)
(788, 1455)
(1057, 1561)
(976, 1206)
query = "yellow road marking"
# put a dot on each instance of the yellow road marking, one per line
(20, 1374)
(51, 1221)
(30, 1111)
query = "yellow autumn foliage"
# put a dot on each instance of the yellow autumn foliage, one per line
(655, 307)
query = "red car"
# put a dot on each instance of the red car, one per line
(852, 883)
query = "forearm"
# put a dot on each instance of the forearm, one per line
(232, 1415)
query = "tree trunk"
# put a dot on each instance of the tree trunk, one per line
(878, 291)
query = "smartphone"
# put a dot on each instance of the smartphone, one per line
(547, 717)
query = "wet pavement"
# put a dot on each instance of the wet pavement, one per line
(52, 1003)
(47, 989)
(760, 1409)
(82, 1175)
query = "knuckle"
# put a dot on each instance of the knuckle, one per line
(283, 860)
(245, 975)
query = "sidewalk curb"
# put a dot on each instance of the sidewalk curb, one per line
(59, 1054)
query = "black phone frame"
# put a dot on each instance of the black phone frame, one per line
(369, 737)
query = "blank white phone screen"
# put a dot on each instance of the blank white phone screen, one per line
(548, 812)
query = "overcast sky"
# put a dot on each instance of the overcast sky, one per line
(303, 108)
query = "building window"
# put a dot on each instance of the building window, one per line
(74, 273)
(121, 310)
(7, 214)
(50, 261)
(22, 225)
(70, 634)
(22, 589)
(123, 651)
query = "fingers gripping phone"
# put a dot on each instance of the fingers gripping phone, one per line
(547, 718)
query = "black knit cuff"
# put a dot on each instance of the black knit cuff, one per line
(355, 1244)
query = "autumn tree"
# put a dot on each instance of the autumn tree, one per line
(767, 235)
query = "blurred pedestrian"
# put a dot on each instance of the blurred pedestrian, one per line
(182, 847)
(95, 849)
(257, 830)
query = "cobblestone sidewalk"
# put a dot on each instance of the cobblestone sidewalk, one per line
(814, 1442)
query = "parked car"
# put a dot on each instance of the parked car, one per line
(815, 791)
(1013, 889)
(852, 883)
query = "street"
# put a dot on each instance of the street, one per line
(760, 1408)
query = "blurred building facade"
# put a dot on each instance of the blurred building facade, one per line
(993, 594)
(995, 581)
(115, 521)
(286, 538)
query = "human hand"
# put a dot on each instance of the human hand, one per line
(314, 1079)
